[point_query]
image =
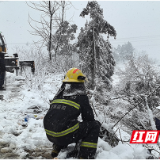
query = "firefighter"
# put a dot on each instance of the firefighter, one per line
(156, 116)
(60, 122)
(2, 71)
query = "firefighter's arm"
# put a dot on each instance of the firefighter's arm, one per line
(86, 110)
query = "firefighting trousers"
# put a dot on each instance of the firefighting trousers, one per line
(87, 132)
(2, 76)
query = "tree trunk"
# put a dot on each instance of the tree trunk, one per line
(58, 43)
(93, 63)
(50, 37)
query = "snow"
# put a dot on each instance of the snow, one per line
(121, 151)
(14, 109)
(158, 107)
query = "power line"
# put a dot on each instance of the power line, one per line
(133, 41)
(158, 36)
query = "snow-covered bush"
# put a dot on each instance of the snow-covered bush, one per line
(138, 86)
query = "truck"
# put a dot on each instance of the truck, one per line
(10, 63)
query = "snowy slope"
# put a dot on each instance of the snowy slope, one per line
(22, 137)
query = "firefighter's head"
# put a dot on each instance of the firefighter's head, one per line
(74, 75)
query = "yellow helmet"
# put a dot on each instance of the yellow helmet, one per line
(74, 75)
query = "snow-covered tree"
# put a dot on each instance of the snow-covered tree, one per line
(64, 35)
(95, 53)
(52, 18)
(140, 76)
(63, 46)
(123, 52)
(140, 86)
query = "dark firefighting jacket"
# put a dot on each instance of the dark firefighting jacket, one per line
(157, 122)
(61, 118)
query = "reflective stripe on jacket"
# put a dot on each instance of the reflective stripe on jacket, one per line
(89, 145)
(68, 102)
(63, 133)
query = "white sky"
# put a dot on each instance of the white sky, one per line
(135, 21)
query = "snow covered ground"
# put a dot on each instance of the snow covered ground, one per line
(20, 137)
